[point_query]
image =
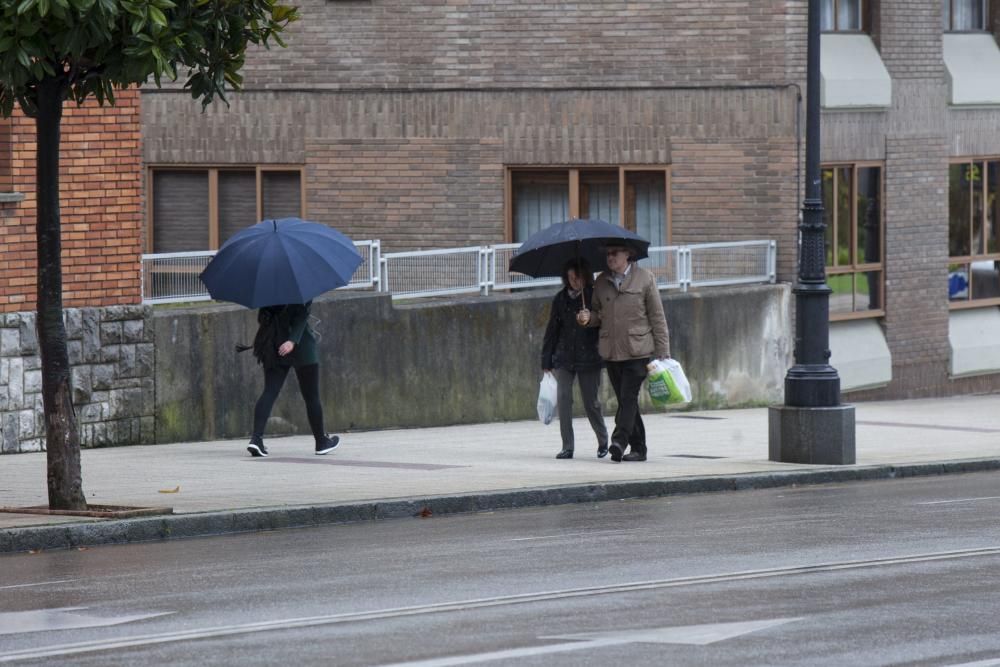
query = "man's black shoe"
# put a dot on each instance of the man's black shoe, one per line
(565, 454)
(602, 451)
(327, 444)
(256, 447)
(616, 452)
(634, 456)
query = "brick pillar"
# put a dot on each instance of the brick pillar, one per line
(916, 261)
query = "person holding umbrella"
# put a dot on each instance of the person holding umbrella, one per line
(278, 267)
(285, 340)
(626, 307)
(570, 351)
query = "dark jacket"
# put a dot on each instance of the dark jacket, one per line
(568, 345)
(279, 324)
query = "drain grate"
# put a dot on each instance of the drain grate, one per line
(694, 417)
(695, 456)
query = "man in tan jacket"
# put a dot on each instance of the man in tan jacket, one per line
(627, 308)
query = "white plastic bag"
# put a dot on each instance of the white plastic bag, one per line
(548, 392)
(667, 384)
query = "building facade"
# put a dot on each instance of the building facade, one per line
(441, 124)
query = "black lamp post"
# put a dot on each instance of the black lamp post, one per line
(812, 426)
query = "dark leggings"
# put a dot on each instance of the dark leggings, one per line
(274, 379)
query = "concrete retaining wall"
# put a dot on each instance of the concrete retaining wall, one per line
(440, 362)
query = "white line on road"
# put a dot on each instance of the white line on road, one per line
(40, 583)
(481, 603)
(584, 534)
(694, 635)
(959, 500)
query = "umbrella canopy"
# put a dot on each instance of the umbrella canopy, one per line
(546, 252)
(283, 261)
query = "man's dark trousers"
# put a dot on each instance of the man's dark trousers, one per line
(626, 379)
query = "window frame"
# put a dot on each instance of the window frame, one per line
(573, 172)
(213, 193)
(987, 15)
(973, 257)
(864, 15)
(856, 268)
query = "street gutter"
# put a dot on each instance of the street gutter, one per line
(229, 522)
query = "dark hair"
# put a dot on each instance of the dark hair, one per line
(582, 268)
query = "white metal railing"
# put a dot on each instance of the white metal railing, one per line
(734, 263)
(501, 278)
(440, 272)
(422, 273)
(172, 277)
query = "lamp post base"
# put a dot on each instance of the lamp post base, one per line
(818, 435)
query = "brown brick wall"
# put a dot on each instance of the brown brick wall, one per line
(736, 190)
(910, 39)
(400, 43)
(409, 193)
(101, 208)
(6, 155)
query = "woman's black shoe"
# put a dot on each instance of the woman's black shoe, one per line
(256, 446)
(602, 451)
(565, 454)
(327, 444)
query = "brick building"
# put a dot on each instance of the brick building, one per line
(109, 343)
(101, 206)
(439, 124)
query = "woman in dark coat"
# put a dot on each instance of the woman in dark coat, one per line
(284, 341)
(570, 351)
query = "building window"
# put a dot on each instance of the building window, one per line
(965, 15)
(973, 237)
(843, 16)
(199, 208)
(635, 197)
(852, 209)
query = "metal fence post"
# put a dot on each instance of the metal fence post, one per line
(485, 255)
(772, 260)
(375, 264)
(383, 275)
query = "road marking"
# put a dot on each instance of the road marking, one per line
(481, 603)
(960, 500)
(696, 635)
(939, 427)
(584, 534)
(62, 618)
(979, 663)
(40, 583)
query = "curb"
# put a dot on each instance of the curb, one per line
(229, 522)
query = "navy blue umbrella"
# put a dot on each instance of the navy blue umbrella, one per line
(283, 261)
(546, 252)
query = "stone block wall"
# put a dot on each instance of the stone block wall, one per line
(112, 359)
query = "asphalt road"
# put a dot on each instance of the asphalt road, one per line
(880, 573)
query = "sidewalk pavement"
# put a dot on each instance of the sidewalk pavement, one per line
(217, 488)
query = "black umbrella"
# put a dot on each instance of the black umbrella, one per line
(279, 262)
(546, 252)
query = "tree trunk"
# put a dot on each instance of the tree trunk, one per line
(62, 437)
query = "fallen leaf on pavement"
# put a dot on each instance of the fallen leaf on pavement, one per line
(176, 489)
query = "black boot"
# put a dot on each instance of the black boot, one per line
(256, 446)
